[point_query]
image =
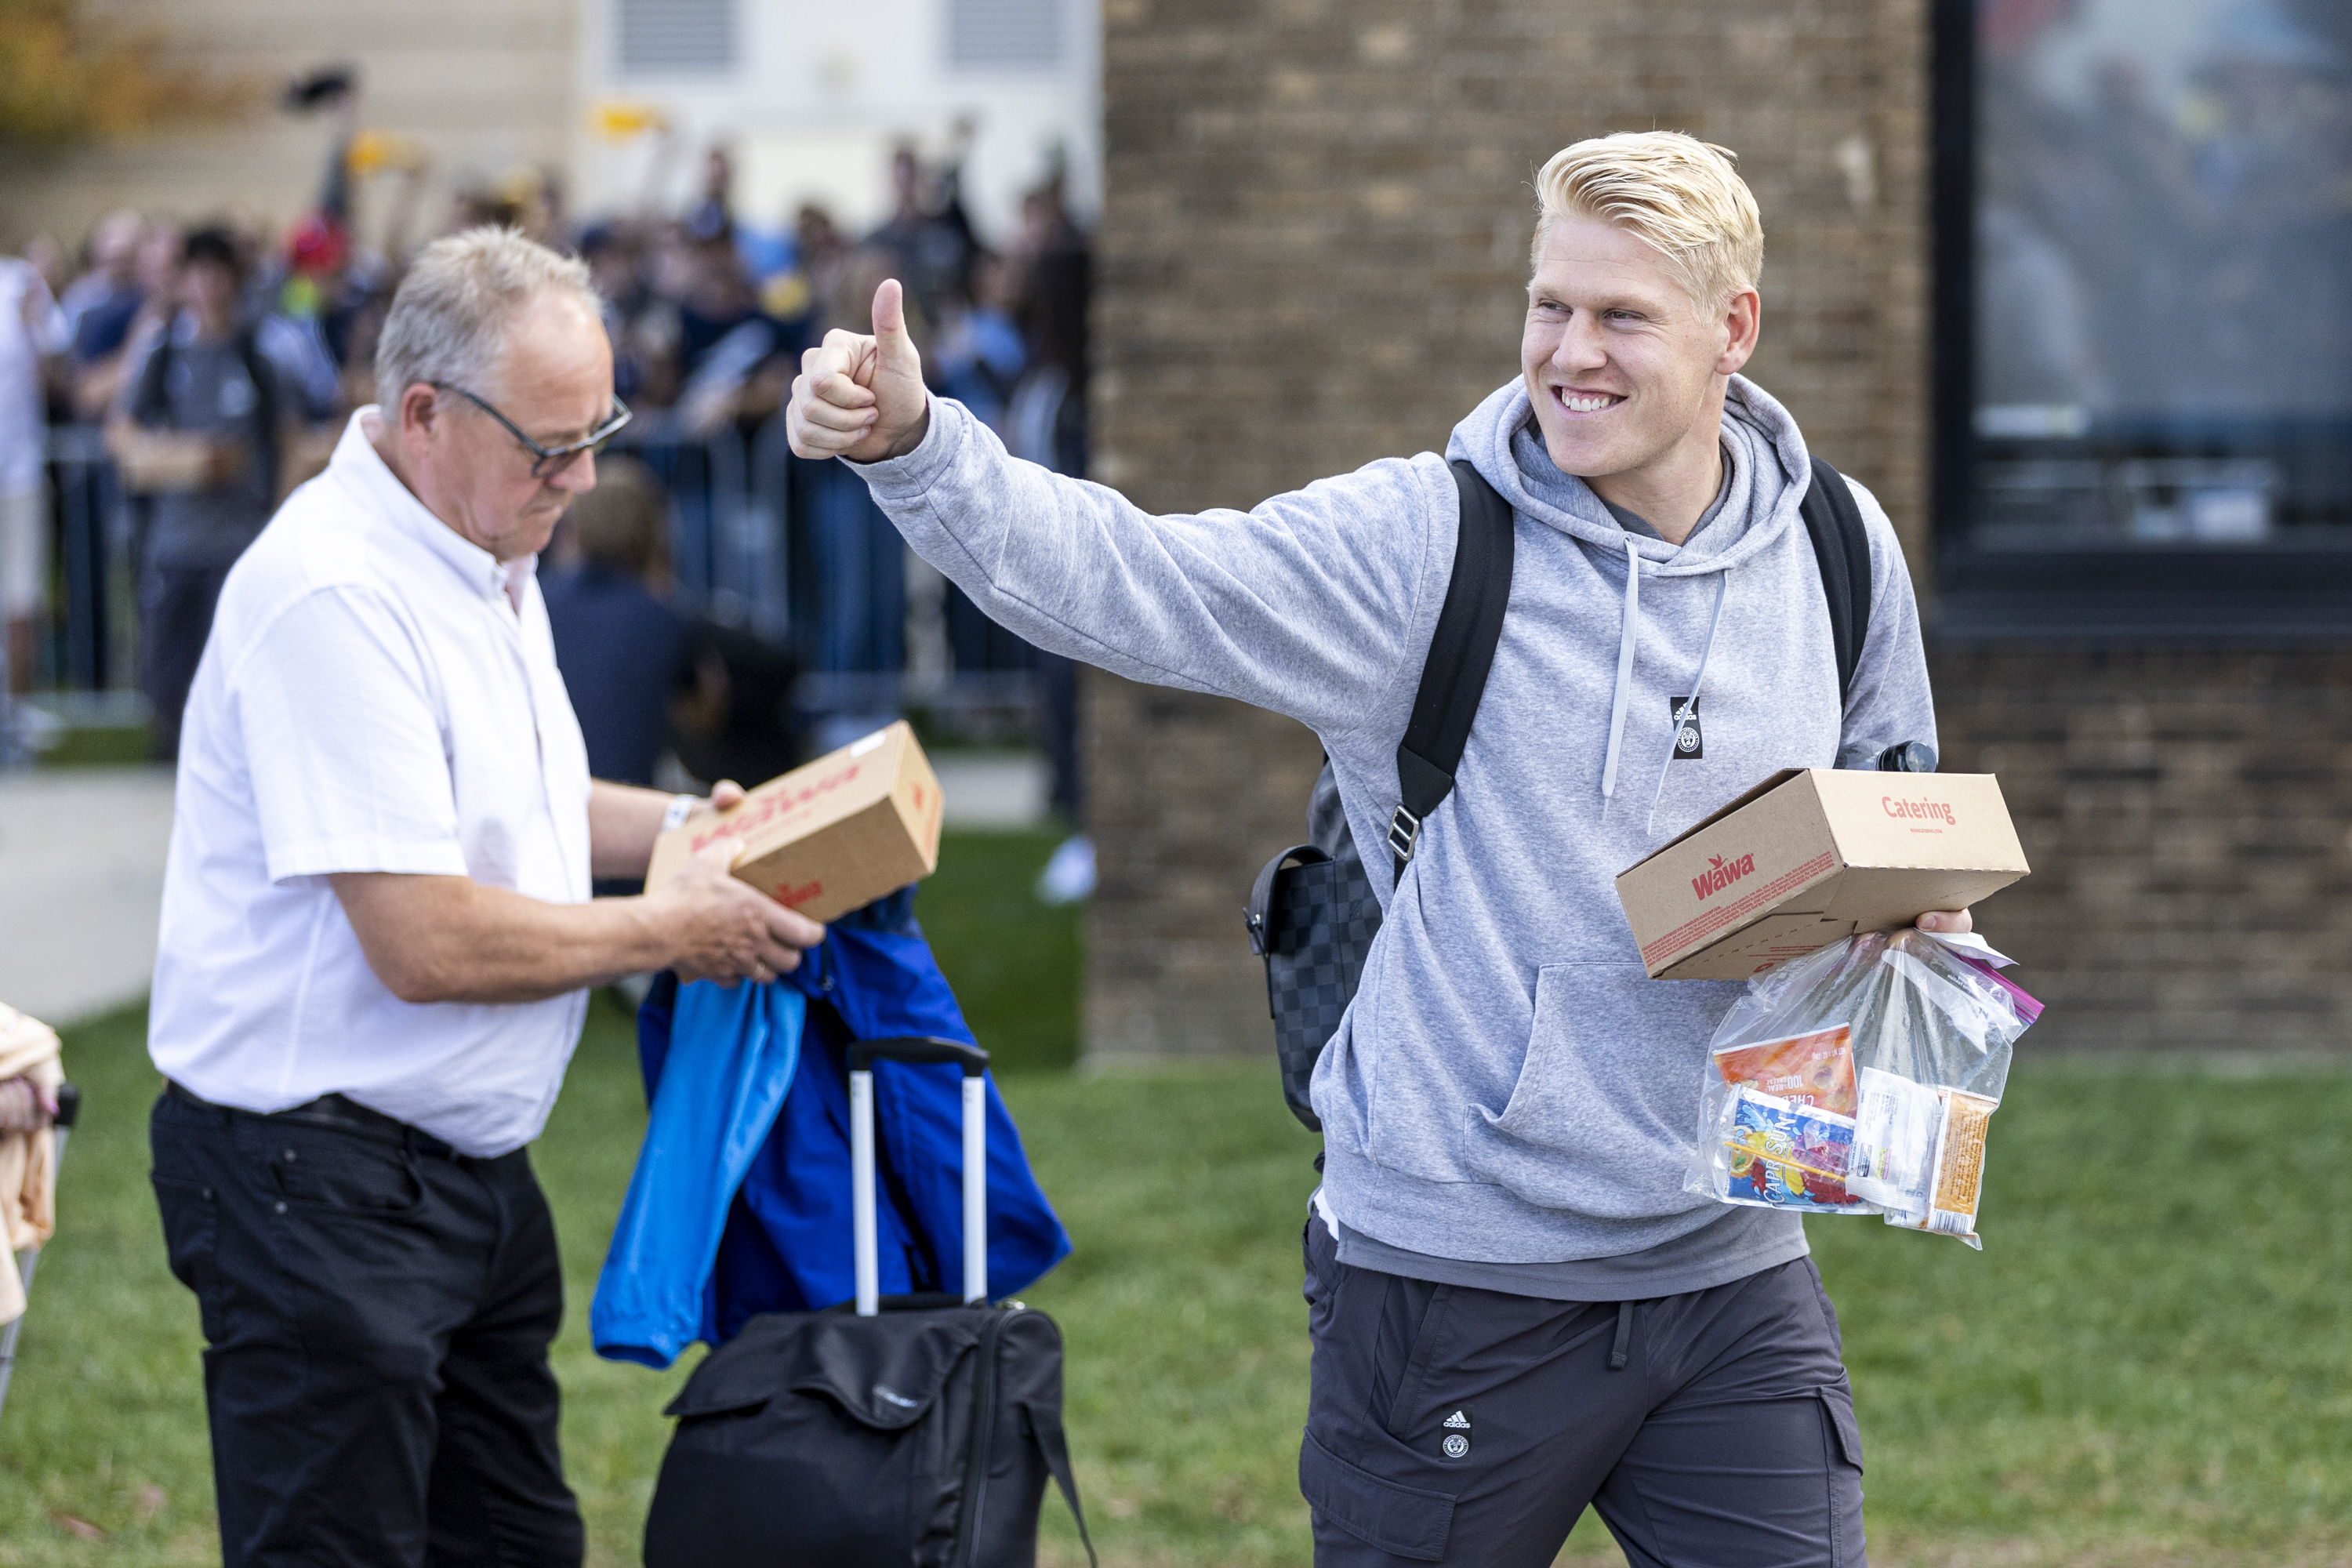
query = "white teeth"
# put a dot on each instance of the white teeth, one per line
(1588, 404)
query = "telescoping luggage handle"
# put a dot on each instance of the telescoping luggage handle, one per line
(863, 1055)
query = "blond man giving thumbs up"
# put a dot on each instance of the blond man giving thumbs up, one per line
(1507, 1103)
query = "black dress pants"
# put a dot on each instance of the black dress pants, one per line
(378, 1311)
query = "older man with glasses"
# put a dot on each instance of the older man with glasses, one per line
(378, 940)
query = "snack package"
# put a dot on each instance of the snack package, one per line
(1918, 1154)
(1816, 1068)
(1787, 1154)
(1785, 1131)
(1860, 1078)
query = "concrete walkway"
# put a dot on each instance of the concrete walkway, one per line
(82, 871)
(993, 789)
(82, 879)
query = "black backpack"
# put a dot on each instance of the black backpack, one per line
(1312, 913)
(151, 405)
(916, 1431)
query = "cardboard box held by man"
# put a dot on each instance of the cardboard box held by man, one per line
(1812, 856)
(831, 836)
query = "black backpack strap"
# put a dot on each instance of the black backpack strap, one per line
(1453, 679)
(1045, 1426)
(1841, 548)
(263, 376)
(150, 407)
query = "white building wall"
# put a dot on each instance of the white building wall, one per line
(821, 92)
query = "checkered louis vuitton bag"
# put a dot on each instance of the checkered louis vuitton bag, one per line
(1312, 922)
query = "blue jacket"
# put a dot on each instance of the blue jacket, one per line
(740, 1203)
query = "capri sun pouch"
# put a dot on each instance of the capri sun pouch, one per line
(1860, 1079)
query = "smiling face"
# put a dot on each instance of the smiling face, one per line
(554, 379)
(1625, 371)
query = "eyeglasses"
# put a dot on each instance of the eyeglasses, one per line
(549, 461)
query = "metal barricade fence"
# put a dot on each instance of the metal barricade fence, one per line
(85, 622)
(100, 601)
(794, 552)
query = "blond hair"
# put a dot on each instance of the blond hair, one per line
(1679, 195)
(448, 321)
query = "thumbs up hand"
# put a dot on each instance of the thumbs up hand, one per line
(861, 397)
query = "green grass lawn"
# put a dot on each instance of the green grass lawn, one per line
(2148, 1364)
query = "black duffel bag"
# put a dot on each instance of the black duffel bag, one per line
(915, 1432)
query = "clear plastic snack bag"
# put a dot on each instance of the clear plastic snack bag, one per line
(1860, 1079)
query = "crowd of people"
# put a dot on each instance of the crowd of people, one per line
(708, 315)
(223, 362)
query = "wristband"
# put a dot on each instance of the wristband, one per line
(681, 806)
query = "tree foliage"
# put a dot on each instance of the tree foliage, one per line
(68, 78)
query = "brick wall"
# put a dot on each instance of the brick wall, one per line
(1188, 795)
(1314, 243)
(2189, 818)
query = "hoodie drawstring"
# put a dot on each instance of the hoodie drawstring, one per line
(1690, 705)
(1626, 635)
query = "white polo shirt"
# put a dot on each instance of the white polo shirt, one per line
(377, 695)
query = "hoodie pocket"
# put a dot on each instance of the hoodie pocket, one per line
(1601, 1117)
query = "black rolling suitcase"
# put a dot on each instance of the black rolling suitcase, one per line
(916, 1432)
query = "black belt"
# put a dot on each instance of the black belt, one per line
(331, 1110)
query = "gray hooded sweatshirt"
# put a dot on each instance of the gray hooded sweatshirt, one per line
(1508, 1086)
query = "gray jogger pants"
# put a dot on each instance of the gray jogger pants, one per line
(1455, 1425)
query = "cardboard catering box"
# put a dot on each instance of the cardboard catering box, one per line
(1809, 857)
(831, 836)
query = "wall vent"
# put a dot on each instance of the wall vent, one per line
(672, 37)
(997, 33)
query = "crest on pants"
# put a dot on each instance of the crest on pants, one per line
(1454, 1440)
